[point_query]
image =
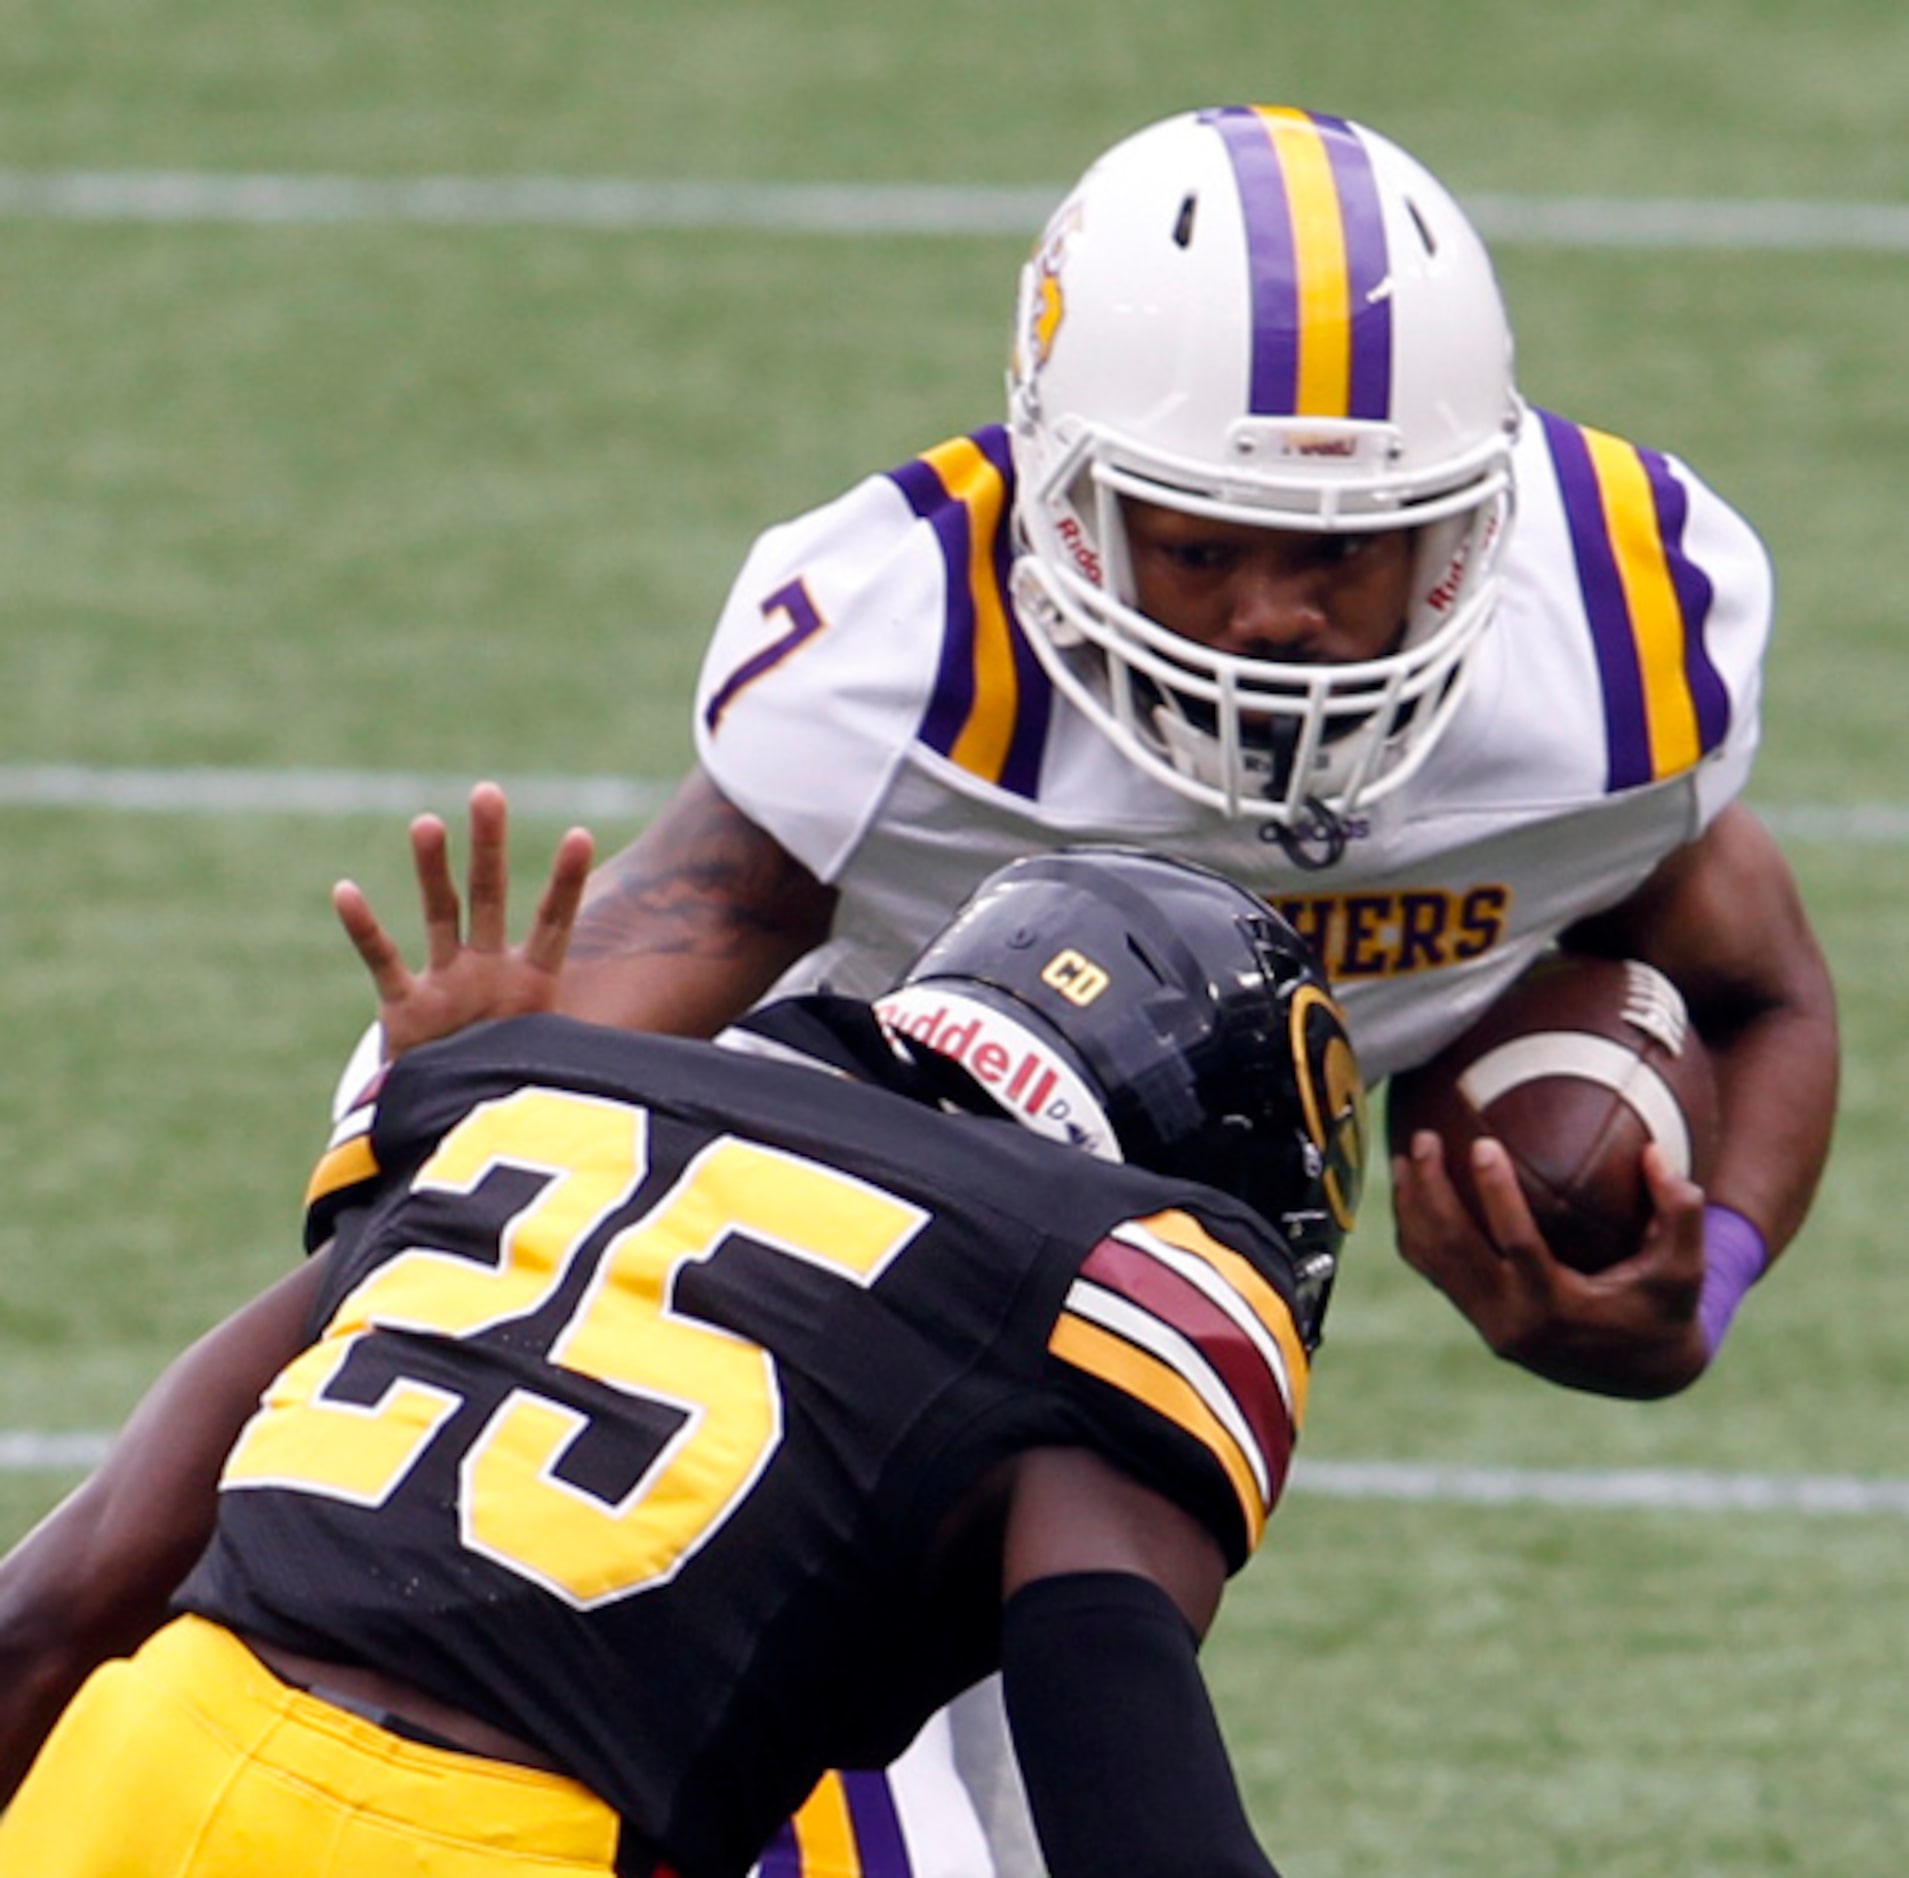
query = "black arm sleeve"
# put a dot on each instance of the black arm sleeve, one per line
(1119, 1747)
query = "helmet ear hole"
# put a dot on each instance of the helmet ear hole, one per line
(1424, 230)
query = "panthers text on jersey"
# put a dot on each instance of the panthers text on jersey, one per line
(869, 699)
(650, 1372)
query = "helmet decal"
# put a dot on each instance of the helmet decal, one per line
(1044, 306)
(1322, 318)
(1332, 1094)
(1075, 976)
(1021, 1071)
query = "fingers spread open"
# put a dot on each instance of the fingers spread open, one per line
(373, 944)
(489, 870)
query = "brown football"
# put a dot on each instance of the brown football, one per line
(1579, 1064)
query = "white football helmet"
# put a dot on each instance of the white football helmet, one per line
(1273, 317)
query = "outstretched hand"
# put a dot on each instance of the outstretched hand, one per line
(472, 975)
(1629, 1330)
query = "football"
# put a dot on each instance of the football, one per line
(1579, 1064)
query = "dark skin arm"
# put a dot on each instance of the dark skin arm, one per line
(1070, 1511)
(1723, 919)
(93, 1579)
(691, 923)
(1125, 1764)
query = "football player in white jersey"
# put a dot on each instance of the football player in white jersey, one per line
(1271, 567)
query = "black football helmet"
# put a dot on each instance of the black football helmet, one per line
(1159, 1014)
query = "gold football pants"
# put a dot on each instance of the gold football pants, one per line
(193, 1760)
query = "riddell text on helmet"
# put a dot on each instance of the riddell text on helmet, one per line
(1007, 1059)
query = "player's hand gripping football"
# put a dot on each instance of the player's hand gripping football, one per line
(1628, 1330)
(470, 973)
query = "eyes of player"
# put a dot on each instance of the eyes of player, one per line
(1189, 546)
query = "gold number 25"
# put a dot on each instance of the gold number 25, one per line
(625, 1330)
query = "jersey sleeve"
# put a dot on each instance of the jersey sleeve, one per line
(347, 1171)
(1190, 1361)
(820, 669)
(1675, 593)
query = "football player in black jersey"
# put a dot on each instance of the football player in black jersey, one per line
(658, 1424)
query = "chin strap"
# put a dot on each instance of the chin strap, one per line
(1314, 844)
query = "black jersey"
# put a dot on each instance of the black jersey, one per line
(647, 1376)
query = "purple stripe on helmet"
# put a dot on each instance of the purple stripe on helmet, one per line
(1272, 264)
(879, 1843)
(1626, 729)
(1368, 267)
(1709, 697)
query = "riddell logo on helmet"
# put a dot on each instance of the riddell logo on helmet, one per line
(1080, 550)
(1311, 446)
(1006, 1059)
(1445, 591)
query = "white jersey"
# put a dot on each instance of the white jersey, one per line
(869, 700)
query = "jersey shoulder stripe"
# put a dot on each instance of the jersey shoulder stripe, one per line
(1158, 1312)
(348, 1165)
(1646, 601)
(848, 1827)
(989, 709)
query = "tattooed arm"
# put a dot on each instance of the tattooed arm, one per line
(690, 924)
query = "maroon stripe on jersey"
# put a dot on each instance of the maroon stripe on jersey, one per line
(1143, 1280)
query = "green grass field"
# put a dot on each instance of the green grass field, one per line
(363, 496)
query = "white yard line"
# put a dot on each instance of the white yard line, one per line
(212, 791)
(184, 196)
(1629, 1489)
(1621, 1490)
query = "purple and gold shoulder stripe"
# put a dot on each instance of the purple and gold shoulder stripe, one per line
(989, 709)
(1647, 603)
(848, 1827)
(1317, 262)
(1166, 1314)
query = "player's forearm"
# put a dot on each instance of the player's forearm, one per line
(688, 926)
(96, 1577)
(56, 1628)
(1126, 1773)
(1777, 1078)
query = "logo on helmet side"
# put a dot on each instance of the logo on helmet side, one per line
(1047, 302)
(1332, 1099)
(1007, 1059)
(1076, 977)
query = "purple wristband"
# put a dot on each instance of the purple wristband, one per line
(1734, 1258)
